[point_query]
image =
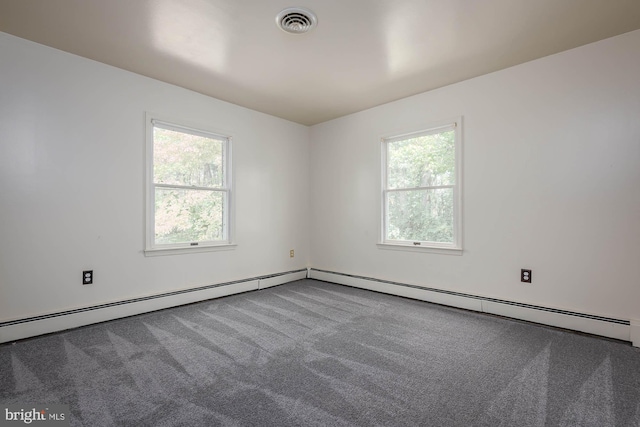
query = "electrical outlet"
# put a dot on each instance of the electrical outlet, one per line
(291, 253)
(525, 276)
(87, 277)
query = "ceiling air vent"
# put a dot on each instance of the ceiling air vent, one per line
(296, 20)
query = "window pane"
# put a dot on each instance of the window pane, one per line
(184, 159)
(422, 161)
(420, 215)
(184, 216)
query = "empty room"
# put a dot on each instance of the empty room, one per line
(320, 213)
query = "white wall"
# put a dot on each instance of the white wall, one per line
(551, 183)
(72, 141)
(551, 174)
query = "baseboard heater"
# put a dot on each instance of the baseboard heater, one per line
(15, 329)
(599, 325)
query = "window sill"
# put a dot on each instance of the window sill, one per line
(422, 248)
(189, 249)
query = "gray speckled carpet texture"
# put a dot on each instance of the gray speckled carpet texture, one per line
(310, 353)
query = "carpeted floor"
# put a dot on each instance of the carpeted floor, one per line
(310, 353)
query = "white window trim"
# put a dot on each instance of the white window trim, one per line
(454, 248)
(151, 249)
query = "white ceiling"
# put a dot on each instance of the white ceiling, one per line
(362, 53)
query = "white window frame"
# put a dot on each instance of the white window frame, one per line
(454, 248)
(151, 247)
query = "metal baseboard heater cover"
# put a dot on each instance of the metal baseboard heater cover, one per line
(598, 325)
(141, 299)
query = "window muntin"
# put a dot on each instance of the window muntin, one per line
(421, 188)
(189, 187)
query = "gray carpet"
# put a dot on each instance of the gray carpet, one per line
(310, 353)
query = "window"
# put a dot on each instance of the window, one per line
(188, 187)
(421, 189)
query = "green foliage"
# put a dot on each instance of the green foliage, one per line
(188, 215)
(184, 159)
(420, 214)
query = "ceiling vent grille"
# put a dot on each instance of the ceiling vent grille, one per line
(296, 20)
